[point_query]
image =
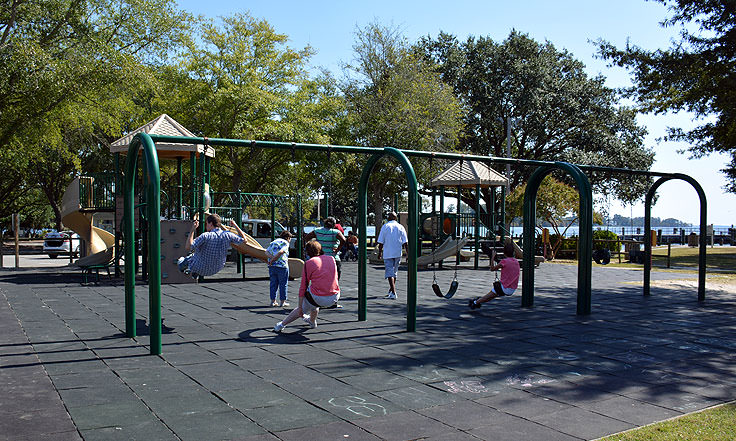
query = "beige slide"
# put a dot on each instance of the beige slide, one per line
(99, 243)
(448, 248)
(251, 247)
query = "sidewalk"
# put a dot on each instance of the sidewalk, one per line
(501, 372)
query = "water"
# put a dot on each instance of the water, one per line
(371, 230)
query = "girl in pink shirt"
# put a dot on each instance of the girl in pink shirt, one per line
(319, 287)
(509, 277)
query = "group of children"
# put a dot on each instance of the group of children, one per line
(319, 286)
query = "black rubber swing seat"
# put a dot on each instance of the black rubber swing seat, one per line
(451, 292)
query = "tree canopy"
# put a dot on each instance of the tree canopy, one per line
(696, 74)
(557, 111)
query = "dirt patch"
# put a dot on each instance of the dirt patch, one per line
(715, 284)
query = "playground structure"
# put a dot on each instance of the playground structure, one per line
(146, 144)
(82, 198)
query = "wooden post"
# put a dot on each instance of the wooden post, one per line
(16, 227)
(669, 253)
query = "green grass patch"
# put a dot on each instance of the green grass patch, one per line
(714, 424)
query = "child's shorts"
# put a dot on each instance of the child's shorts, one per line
(498, 289)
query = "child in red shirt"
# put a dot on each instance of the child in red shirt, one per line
(510, 271)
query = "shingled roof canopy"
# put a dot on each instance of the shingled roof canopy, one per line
(167, 126)
(468, 174)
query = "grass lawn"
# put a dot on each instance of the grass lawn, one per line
(719, 260)
(714, 424)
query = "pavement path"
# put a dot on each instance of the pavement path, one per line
(501, 372)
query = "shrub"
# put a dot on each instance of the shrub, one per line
(606, 235)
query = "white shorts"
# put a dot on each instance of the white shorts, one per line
(322, 301)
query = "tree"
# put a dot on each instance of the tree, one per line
(239, 79)
(71, 67)
(557, 205)
(696, 74)
(395, 99)
(558, 113)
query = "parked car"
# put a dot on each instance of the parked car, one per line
(55, 244)
(260, 230)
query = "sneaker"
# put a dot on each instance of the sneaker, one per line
(274, 303)
(179, 263)
(279, 327)
(472, 304)
(284, 304)
(312, 324)
(390, 296)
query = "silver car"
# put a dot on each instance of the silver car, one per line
(55, 244)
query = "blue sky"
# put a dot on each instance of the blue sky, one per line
(329, 26)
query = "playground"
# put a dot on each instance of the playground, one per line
(585, 355)
(499, 372)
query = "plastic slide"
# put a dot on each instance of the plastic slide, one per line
(251, 247)
(99, 242)
(448, 248)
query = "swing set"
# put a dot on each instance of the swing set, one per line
(145, 145)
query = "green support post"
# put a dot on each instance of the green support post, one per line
(273, 218)
(200, 193)
(179, 188)
(413, 227)
(477, 225)
(458, 222)
(585, 240)
(193, 183)
(441, 229)
(648, 228)
(299, 227)
(153, 210)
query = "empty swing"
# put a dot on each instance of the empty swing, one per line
(454, 284)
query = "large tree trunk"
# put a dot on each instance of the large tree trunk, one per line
(57, 215)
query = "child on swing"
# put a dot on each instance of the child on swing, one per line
(509, 276)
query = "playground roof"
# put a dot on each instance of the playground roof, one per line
(468, 174)
(166, 126)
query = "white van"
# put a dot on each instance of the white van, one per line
(260, 230)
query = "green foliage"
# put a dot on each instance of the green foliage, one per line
(395, 99)
(605, 235)
(67, 75)
(239, 79)
(695, 74)
(558, 112)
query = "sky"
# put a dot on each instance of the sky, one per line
(573, 25)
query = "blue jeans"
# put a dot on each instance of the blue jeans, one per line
(279, 279)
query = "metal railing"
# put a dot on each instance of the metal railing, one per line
(97, 192)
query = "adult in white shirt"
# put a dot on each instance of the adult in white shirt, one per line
(391, 240)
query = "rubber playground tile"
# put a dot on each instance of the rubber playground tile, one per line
(145, 431)
(426, 373)
(358, 406)
(581, 423)
(402, 426)
(523, 404)
(672, 398)
(127, 412)
(72, 366)
(461, 414)
(252, 398)
(329, 431)
(378, 381)
(631, 411)
(32, 423)
(344, 368)
(418, 397)
(327, 388)
(571, 393)
(511, 428)
(293, 415)
(113, 392)
(228, 424)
